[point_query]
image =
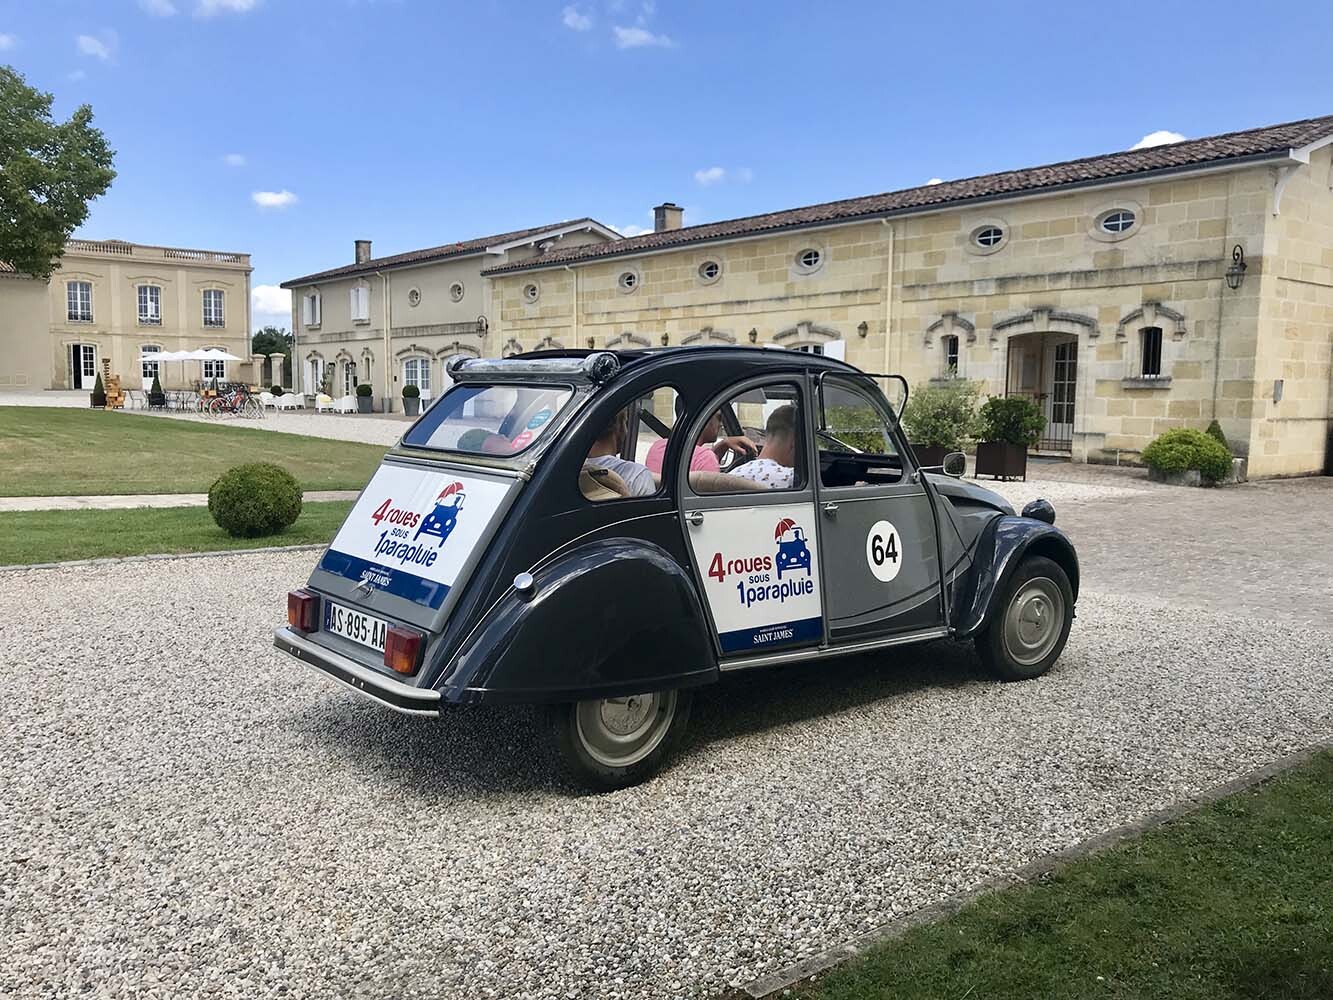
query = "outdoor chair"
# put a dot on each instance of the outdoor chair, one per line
(323, 402)
(344, 404)
(289, 401)
(266, 399)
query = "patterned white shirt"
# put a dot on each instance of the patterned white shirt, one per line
(766, 472)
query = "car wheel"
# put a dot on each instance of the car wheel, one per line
(609, 743)
(1030, 624)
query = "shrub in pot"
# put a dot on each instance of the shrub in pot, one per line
(250, 501)
(1008, 426)
(156, 397)
(277, 390)
(411, 400)
(1175, 454)
(364, 391)
(939, 419)
(97, 397)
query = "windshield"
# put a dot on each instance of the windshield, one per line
(488, 419)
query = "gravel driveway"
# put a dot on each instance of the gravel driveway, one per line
(184, 814)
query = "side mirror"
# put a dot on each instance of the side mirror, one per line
(955, 464)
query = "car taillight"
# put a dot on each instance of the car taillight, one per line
(402, 649)
(303, 610)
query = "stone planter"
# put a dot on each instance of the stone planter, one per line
(1002, 460)
(929, 455)
(412, 405)
(1189, 477)
(364, 404)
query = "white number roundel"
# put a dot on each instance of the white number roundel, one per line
(884, 553)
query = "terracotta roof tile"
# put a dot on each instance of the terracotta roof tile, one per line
(432, 253)
(1254, 143)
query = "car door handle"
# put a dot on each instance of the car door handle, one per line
(830, 509)
(695, 517)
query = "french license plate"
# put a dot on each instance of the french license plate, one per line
(355, 625)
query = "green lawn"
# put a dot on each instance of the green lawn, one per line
(60, 535)
(1234, 901)
(47, 451)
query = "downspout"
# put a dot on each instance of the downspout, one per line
(888, 300)
(574, 316)
(388, 342)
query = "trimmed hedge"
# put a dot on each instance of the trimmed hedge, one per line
(1214, 431)
(250, 501)
(364, 389)
(411, 392)
(277, 390)
(1185, 448)
(98, 396)
(942, 416)
(1012, 420)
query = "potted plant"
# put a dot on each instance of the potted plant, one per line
(363, 394)
(97, 397)
(411, 400)
(277, 390)
(157, 399)
(1009, 426)
(939, 419)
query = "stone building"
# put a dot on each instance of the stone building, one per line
(1127, 293)
(112, 300)
(395, 321)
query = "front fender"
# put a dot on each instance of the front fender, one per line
(1003, 544)
(613, 617)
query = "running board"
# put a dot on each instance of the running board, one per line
(828, 652)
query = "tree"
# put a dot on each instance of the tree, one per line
(271, 340)
(49, 171)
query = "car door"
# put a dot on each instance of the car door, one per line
(751, 530)
(877, 528)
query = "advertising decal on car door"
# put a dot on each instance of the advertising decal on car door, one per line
(760, 570)
(411, 531)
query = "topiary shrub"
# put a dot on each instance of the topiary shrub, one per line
(411, 392)
(98, 395)
(364, 389)
(1185, 448)
(1214, 431)
(250, 501)
(277, 390)
(1011, 420)
(942, 416)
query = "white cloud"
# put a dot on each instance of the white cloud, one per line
(158, 8)
(7, 42)
(234, 159)
(710, 175)
(273, 199)
(575, 20)
(207, 8)
(1159, 138)
(743, 174)
(639, 38)
(632, 230)
(935, 180)
(270, 300)
(101, 46)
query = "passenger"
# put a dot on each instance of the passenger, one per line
(480, 441)
(605, 454)
(708, 450)
(776, 465)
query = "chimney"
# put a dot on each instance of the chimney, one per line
(362, 251)
(667, 215)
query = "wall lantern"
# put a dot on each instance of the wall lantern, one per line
(1236, 271)
(754, 335)
(592, 343)
(863, 328)
(666, 339)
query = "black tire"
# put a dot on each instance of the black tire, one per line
(1029, 625)
(573, 731)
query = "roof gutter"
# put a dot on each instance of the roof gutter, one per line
(1284, 156)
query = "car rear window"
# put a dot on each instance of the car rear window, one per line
(488, 419)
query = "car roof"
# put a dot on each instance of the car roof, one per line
(776, 357)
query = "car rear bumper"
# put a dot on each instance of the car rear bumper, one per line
(387, 691)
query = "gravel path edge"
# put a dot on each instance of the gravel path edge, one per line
(772, 985)
(159, 556)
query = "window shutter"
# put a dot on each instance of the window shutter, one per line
(316, 301)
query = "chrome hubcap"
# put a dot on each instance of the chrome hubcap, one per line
(1033, 621)
(618, 732)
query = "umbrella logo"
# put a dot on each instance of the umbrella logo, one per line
(793, 554)
(441, 521)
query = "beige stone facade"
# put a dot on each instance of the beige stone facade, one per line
(1120, 335)
(438, 307)
(110, 300)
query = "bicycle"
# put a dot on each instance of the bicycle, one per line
(236, 399)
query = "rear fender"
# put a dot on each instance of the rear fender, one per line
(610, 618)
(1004, 543)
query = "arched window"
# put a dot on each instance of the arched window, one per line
(349, 378)
(416, 371)
(150, 370)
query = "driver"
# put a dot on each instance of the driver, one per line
(776, 465)
(708, 450)
(605, 453)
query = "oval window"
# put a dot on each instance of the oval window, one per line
(628, 281)
(531, 292)
(1119, 221)
(809, 259)
(456, 291)
(988, 236)
(414, 296)
(709, 270)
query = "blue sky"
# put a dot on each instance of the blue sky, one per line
(289, 129)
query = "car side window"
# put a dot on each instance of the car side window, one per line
(855, 440)
(760, 443)
(626, 459)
